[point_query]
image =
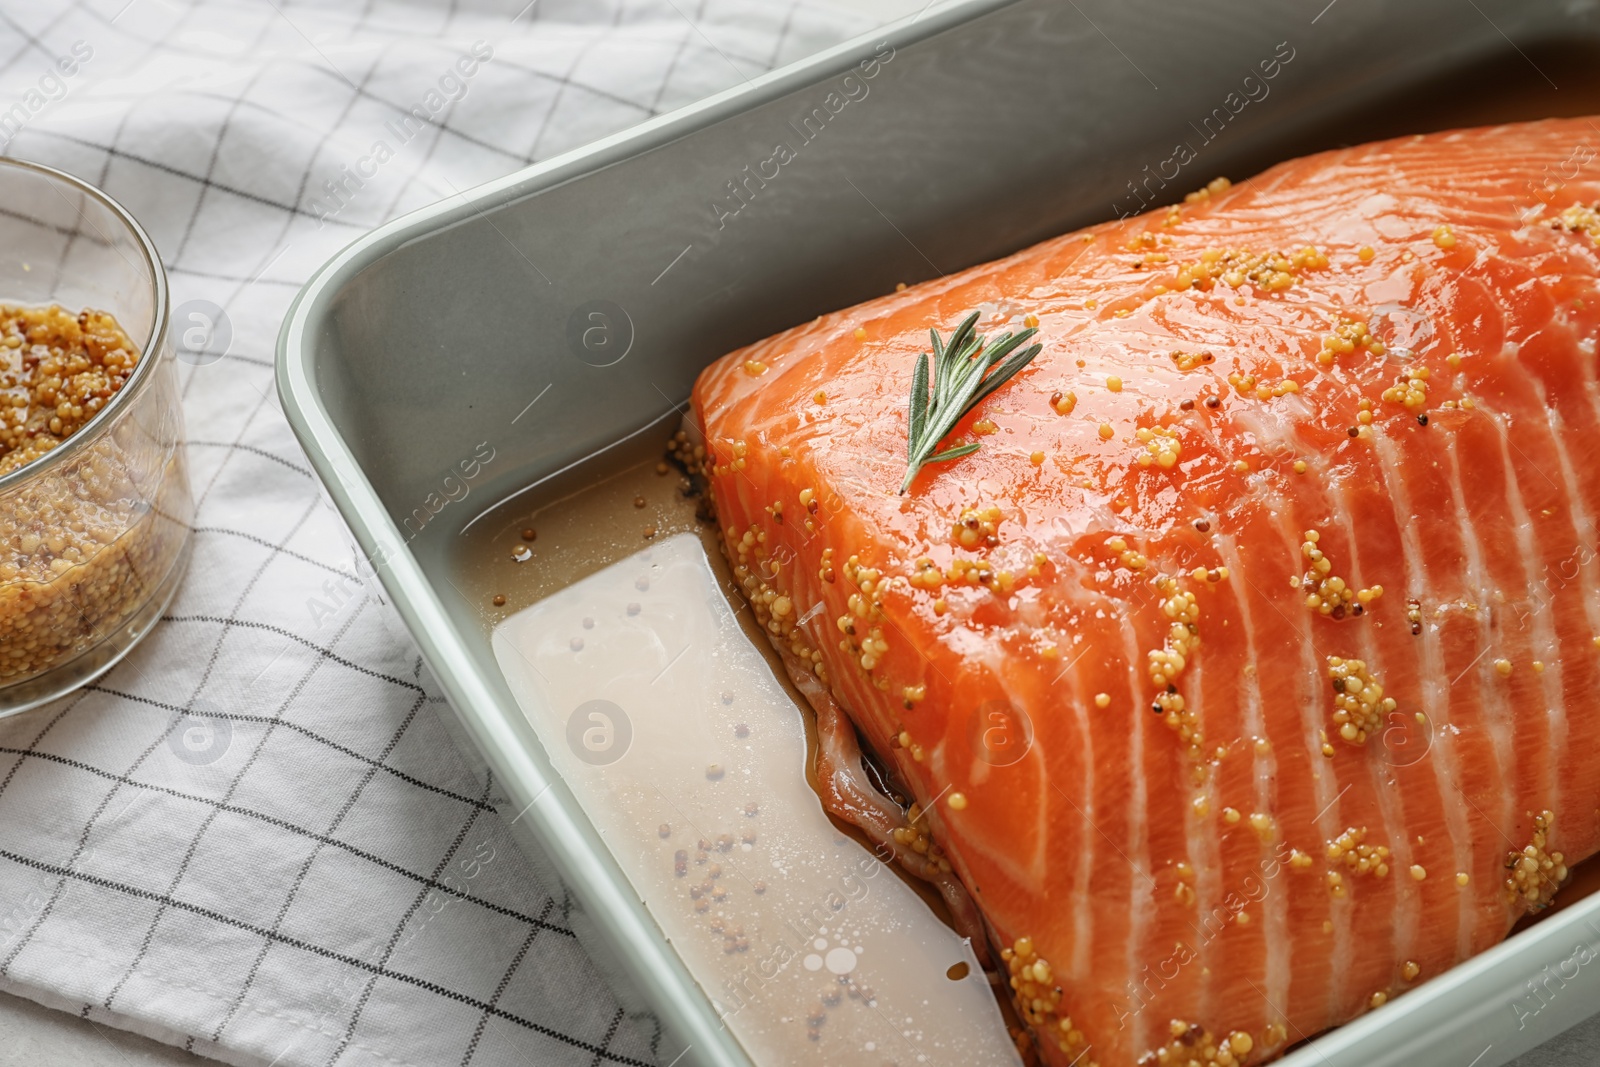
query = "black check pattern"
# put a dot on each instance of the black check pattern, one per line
(325, 880)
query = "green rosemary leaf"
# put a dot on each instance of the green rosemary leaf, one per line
(965, 333)
(953, 453)
(1005, 343)
(919, 404)
(948, 362)
(964, 371)
(1004, 372)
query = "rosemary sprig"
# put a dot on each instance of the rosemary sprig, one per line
(958, 384)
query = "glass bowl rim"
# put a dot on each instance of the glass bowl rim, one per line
(91, 430)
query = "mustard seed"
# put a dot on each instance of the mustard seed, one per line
(84, 546)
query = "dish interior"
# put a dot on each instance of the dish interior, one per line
(566, 327)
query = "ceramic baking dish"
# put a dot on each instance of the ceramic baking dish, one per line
(984, 126)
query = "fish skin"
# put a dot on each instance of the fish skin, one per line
(1485, 516)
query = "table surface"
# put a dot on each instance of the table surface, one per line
(38, 1037)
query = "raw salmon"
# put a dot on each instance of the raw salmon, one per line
(1245, 674)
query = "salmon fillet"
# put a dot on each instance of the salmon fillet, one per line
(1245, 673)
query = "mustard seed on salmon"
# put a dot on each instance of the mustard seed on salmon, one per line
(1371, 510)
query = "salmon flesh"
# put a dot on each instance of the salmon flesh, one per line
(1245, 673)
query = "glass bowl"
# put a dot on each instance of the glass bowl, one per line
(94, 533)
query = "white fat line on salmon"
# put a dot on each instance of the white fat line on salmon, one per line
(1548, 682)
(1537, 469)
(1583, 555)
(1432, 695)
(1543, 593)
(1205, 835)
(1134, 866)
(851, 88)
(1254, 888)
(1498, 719)
(1184, 153)
(1406, 917)
(1332, 802)
(1300, 1034)
(1535, 1001)
(1069, 666)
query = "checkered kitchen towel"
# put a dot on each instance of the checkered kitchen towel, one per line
(253, 839)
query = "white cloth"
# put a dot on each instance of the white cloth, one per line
(305, 871)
